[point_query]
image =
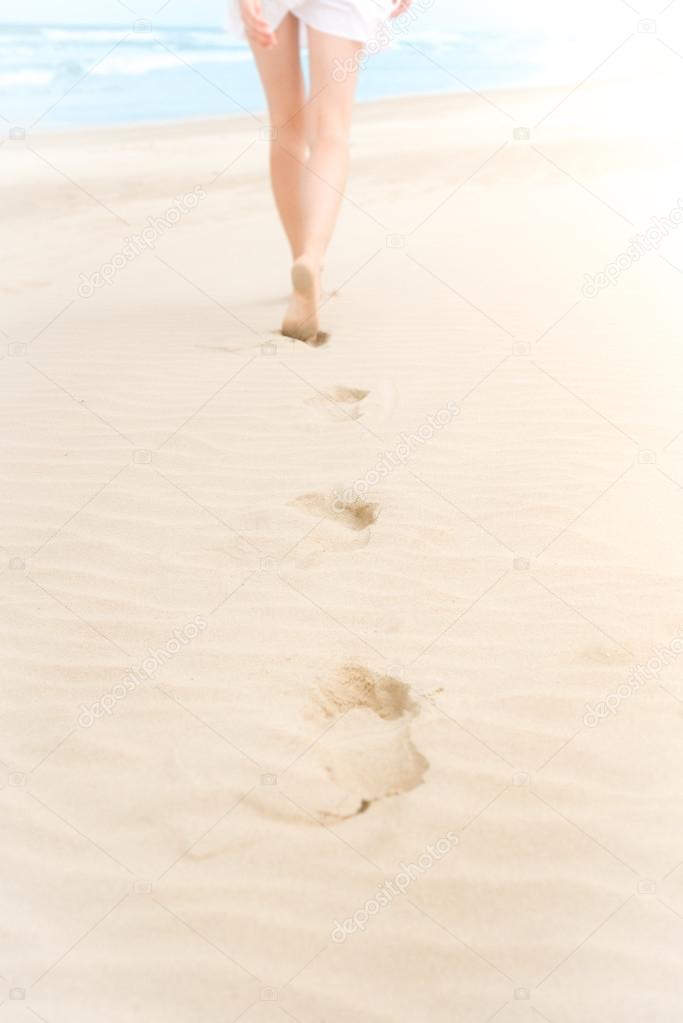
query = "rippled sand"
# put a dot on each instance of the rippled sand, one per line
(343, 609)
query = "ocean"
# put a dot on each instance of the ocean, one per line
(57, 77)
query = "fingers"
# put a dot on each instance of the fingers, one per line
(401, 7)
(257, 28)
(259, 32)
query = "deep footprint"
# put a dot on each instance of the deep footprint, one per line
(353, 514)
(369, 753)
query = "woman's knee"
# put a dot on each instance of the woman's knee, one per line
(290, 132)
(330, 131)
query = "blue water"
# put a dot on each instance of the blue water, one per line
(55, 77)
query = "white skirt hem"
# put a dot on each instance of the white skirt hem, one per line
(359, 20)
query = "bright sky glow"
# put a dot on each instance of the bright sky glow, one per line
(594, 17)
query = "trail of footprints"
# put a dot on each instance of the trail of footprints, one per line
(347, 510)
(366, 749)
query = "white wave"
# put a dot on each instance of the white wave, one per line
(8, 42)
(210, 39)
(16, 55)
(26, 76)
(182, 36)
(91, 35)
(140, 64)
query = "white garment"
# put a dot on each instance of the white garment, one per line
(361, 20)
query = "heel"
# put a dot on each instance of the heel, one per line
(303, 278)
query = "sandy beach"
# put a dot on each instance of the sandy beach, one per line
(343, 683)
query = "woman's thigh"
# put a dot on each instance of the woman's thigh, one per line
(334, 72)
(281, 74)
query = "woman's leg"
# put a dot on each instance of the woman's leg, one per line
(329, 111)
(324, 178)
(283, 82)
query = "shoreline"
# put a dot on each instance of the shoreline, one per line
(205, 123)
(211, 120)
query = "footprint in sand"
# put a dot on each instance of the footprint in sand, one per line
(367, 751)
(333, 511)
(339, 402)
(354, 514)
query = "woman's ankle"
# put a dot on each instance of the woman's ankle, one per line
(311, 257)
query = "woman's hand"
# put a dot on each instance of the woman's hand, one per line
(257, 28)
(401, 7)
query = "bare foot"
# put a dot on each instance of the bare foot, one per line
(301, 318)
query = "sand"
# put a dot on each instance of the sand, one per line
(368, 624)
